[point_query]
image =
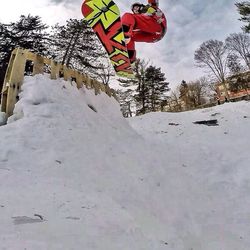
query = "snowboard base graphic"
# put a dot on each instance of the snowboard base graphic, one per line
(104, 18)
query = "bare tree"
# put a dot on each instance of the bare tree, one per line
(104, 73)
(194, 94)
(213, 55)
(239, 44)
(126, 102)
(198, 91)
(175, 100)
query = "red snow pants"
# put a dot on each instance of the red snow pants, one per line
(142, 28)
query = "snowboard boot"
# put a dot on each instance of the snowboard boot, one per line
(132, 56)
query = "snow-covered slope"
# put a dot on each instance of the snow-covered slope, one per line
(74, 174)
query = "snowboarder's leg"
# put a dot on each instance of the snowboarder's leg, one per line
(139, 28)
(139, 37)
(131, 50)
(146, 37)
(140, 22)
(128, 23)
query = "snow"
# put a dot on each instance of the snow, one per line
(73, 178)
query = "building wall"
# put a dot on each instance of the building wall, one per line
(240, 94)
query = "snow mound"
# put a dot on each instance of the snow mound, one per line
(74, 174)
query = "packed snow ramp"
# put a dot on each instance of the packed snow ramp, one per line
(23, 62)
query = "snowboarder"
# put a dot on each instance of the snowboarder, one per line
(147, 24)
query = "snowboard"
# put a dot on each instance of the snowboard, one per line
(103, 16)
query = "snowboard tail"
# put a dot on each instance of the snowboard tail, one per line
(104, 18)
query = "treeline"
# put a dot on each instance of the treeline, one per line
(73, 44)
(220, 59)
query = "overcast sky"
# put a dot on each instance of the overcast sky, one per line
(190, 22)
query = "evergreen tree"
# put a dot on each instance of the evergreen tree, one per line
(28, 33)
(156, 87)
(5, 51)
(145, 93)
(142, 94)
(76, 46)
(184, 93)
(244, 10)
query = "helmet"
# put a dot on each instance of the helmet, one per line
(137, 4)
